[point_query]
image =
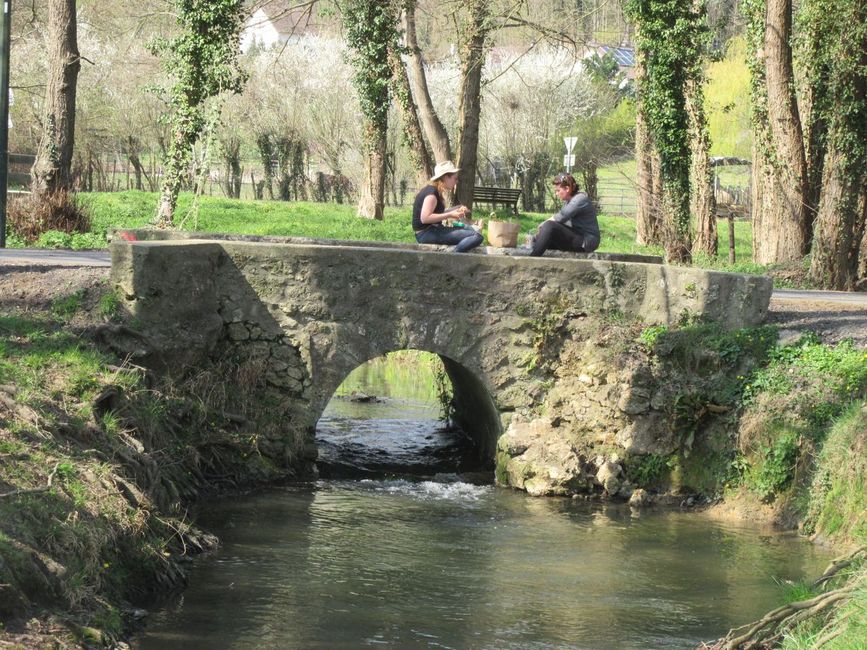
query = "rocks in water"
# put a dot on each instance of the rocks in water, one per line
(541, 462)
(640, 499)
(363, 398)
(609, 476)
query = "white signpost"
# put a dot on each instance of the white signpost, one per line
(569, 159)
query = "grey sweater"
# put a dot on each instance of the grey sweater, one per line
(579, 214)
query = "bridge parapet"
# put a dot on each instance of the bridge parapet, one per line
(307, 314)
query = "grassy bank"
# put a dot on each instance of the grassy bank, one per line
(796, 418)
(98, 462)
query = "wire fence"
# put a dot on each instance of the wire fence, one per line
(616, 195)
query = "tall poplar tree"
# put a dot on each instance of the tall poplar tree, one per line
(782, 217)
(669, 38)
(837, 70)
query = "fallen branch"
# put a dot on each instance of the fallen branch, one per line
(44, 488)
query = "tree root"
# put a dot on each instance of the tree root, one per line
(44, 488)
(768, 630)
(838, 565)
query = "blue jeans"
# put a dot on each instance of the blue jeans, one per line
(463, 239)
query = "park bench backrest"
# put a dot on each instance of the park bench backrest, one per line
(497, 196)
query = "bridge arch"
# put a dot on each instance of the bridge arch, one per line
(310, 312)
(473, 407)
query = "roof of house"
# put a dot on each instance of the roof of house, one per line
(624, 56)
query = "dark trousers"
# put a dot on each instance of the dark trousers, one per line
(463, 239)
(556, 236)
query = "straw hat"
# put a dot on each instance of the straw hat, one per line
(443, 168)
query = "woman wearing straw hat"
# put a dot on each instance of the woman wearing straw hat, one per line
(429, 212)
(574, 227)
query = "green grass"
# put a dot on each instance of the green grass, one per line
(133, 209)
(845, 628)
(838, 495)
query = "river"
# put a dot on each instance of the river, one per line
(431, 558)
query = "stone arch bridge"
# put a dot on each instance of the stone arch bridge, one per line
(305, 313)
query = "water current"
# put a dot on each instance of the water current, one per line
(414, 553)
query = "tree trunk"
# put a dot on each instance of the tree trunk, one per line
(701, 198)
(232, 159)
(135, 161)
(412, 131)
(840, 225)
(264, 143)
(370, 202)
(590, 176)
(862, 260)
(470, 106)
(783, 219)
(52, 167)
(434, 129)
(648, 229)
(815, 124)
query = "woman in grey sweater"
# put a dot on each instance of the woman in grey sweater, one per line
(574, 227)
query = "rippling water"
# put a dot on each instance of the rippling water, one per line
(449, 564)
(446, 561)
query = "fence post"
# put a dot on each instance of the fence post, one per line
(731, 237)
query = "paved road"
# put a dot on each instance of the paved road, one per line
(859, 298)
(43, 257)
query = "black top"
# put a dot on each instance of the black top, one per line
(425, 192)
(579, 214)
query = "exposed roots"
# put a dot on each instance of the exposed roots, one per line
(769, 630)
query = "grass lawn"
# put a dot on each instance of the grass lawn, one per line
(134, 209)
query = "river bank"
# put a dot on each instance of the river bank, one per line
(100, 457)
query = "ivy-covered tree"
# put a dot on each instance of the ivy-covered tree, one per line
(782, 216)
(371, 32)
(837, 69)
(669, 38)
(648, 180)
(203, 60)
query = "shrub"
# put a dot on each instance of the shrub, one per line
(54, 239)
(776, 466)
(32, 215)
(88, 241)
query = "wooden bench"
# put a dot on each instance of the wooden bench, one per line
(497, 196)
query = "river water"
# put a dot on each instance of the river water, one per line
(411, 555)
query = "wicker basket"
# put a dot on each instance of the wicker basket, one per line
(503, 234)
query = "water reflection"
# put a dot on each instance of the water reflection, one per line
(453, 565)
